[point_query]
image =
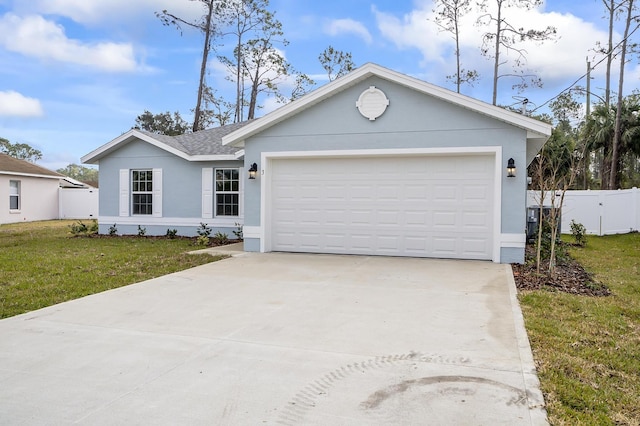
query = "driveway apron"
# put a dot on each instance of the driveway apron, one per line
(281, 339)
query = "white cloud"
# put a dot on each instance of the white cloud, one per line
(17, 105)
(37, 37)
(100, 12)
(557, 60)
(413, 30)
(348, 26)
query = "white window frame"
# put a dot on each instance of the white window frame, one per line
(17, 194)
(237, 192)
(149, 193)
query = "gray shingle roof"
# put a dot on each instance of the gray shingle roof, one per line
(203, 142)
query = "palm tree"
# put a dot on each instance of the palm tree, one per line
(599, 130)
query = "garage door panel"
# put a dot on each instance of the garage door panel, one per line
(444, 219)
(474, 246)
(476, 192)
(444, 246)
(445, 192)
(475, 220)
(417, 218)
(411, 206)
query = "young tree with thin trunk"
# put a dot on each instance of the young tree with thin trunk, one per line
(243, 20)
(208, 28)
(503, 37)
(448, 16)
(256, 62)
(555, 170)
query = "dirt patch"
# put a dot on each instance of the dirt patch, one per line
(570, 277)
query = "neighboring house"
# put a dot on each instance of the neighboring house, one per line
(373, 163)
(28, 192)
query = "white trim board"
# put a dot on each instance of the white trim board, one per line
(513, 240)
(170, 221)
(265, 184)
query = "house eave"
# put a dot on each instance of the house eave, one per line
(200, 158)
(94, 156)
(30, 175)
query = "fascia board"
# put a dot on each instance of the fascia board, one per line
(30, 175)
(228, 157)
(94, 156)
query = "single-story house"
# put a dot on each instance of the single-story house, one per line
(29, 192)
(373, 163)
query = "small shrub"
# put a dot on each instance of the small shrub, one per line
(171, 233)
(79, 228)
(579, 233)
(142, 231)
(545, 244)
(238, 231)
(204, 230)
(113, 230)
(202, 240)
(220, 239)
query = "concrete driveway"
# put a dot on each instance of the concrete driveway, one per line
(282, 339)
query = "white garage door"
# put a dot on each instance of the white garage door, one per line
(422, 206)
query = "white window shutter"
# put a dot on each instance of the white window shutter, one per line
(124, 193)
(207, 193)
(157, 192)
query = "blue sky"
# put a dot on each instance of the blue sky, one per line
(76, 73)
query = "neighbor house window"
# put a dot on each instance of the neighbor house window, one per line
(142, 191)
(14, 195)
(227, 192)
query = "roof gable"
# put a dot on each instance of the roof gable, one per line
(14, 166)
(204, 145)
(537, 132)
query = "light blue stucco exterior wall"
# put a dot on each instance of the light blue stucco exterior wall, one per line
(412, 120)
(181, 192)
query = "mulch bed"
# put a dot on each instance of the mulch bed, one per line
(570, 277)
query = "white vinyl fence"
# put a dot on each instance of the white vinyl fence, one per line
(601, 212)
(78, 203)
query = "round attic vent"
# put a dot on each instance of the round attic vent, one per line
(372, 103)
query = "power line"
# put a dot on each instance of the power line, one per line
(592, 68)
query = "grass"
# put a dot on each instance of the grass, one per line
(587, 349)
(42, 264)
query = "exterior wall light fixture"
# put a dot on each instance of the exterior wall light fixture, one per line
(511, 168)
(253, 170)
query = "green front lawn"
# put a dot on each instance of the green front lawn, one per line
(587, 349)
(42, 264)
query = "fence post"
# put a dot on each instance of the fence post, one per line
(636, 208)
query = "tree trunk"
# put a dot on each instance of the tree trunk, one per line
(458, 76)
(615, 149)
(203, 68)
(238, 114)
(253, 100)
(496, 64)
(607, 91)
